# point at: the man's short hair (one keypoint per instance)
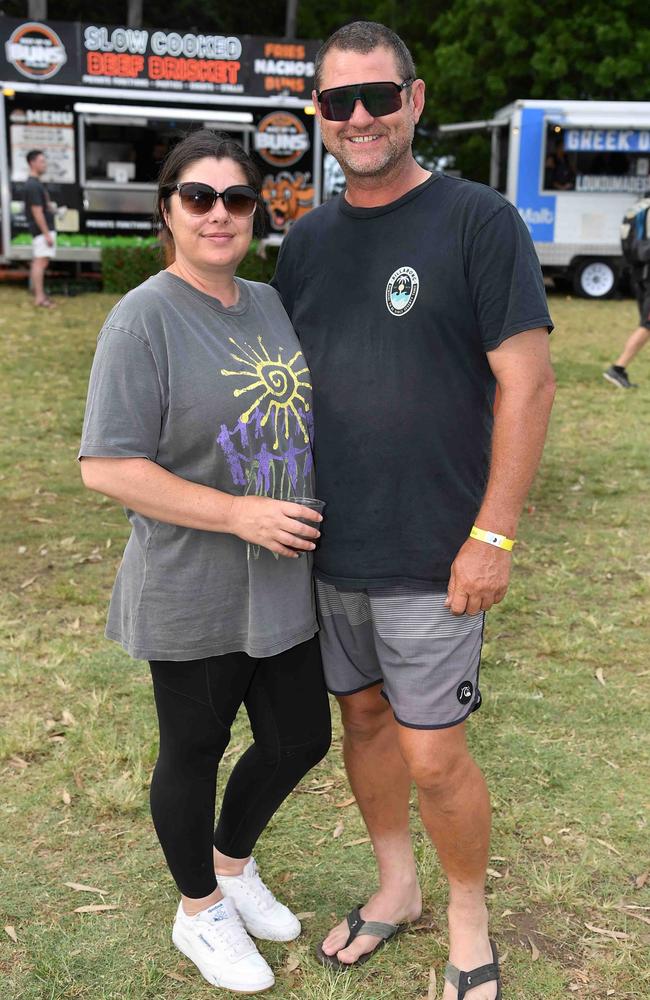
(363, 37)
(33, 154)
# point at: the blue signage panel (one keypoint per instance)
(536, 209)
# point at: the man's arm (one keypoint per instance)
(39, 218)
(521, 365)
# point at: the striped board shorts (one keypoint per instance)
(426, 659)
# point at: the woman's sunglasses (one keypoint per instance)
(239, 200)
(379, 99)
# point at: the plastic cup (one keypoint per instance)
(313, 504)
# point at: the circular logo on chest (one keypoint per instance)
(402, 290)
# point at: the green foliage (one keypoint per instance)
(487, 53)
(89, 240)
(124, 267)
(480, 55)
(244, 17)
(256, 268)
(318, 18)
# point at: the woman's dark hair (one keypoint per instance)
(197, 146)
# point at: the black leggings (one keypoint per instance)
(197, 702)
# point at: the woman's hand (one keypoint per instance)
(153, 491)
(272, 524)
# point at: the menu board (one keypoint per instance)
(50, 131)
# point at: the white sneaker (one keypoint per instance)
(264, 917)
(217, 942)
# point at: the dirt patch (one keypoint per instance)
(428, 923)
(525, 932)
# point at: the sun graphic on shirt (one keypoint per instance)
(278, 387)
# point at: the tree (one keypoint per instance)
(480, 55)
(246, 17)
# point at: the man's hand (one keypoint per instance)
(272, 524)
(48, 239)
(479, 577)
(480, 572)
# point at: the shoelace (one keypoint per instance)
(257, 890)
(229, 934)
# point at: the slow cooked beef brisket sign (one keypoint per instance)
(162, 60)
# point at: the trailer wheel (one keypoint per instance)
(594, 279)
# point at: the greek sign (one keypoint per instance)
(612, 140)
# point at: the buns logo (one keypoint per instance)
(281, 139)
(36, 51)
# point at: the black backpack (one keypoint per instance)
(635, 233)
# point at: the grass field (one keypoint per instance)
(562, 735)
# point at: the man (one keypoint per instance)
(562, 177)
(636, 250)
(407, 291)
(40, 217)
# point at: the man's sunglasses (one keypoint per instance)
(379, 99)
(239, 200)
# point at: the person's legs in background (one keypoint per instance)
(37, 271)
(617, 373)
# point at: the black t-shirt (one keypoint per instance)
(395, 308)
(36, 194)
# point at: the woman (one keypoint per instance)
(198, 421)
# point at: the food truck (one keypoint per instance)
(106, 103)
(572, 168)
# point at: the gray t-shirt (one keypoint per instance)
(222, 397)
(36, 195)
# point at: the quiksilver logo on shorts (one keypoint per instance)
(465, 692)
(402, 290)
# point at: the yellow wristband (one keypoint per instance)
(492, 538)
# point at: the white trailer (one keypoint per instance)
(572, 168)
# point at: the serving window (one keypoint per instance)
(592, 160)
(126, 153)
(128, 150)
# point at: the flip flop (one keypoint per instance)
(358, 925)
(464, 981)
